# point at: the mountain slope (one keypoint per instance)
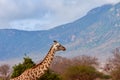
(95, 34)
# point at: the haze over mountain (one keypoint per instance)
(96, 34)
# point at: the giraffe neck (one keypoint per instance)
(41, 68)
(49, 57)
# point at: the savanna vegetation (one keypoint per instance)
(4, 72)
(113, 65)
(78, 68)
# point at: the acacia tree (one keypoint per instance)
(5, 71)
(81, 72)
(85, 60)
(60, 64)
(21, 67)
(82, 68)
(113, 65)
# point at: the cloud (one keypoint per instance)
(44, 14)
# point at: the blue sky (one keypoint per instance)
(44, 14)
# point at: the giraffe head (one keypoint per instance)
(58, 47)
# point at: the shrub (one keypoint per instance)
(81, 72)
(50, 75)
(115, 74)
(21, 67)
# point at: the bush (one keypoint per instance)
(81, 72)
(49, 75)
(114, 64)
(21, 67)
(115, 74)
(4, 72)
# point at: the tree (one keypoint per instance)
(81, 72)
(21, 67)
(115, 74)
(85, 60)
(115, 60)
(60, 64)
(5, 71)
(113, 65)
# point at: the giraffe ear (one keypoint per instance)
(55, 41)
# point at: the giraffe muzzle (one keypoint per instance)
(64, 49)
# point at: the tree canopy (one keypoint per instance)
(80, 72)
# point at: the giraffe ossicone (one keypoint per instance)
(38, 70)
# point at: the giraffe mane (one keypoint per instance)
(42, 61)
(36, 65)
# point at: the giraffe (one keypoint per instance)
(38, 70)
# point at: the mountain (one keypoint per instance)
(96, 34)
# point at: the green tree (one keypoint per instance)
(21, 67)
(81, 72)
(50, 75)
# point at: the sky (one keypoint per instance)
(44, 14)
